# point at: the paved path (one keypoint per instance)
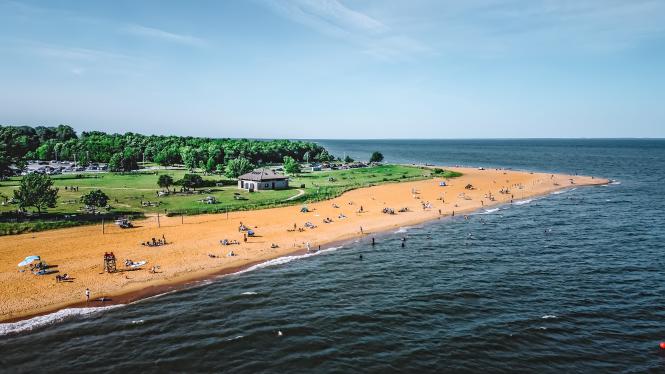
(300, 193)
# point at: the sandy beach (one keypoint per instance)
(191, 242)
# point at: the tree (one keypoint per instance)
(191, 181)
(210, 165)
(324, 156)
(64, 133)
(95, 198)
(5, 164)
(238, 167)
(291, 166)
(348, 159)
(376, 157)
(115, 163)
(36, 190)
(188, 159)
(165, 181)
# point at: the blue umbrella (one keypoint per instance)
(28, 260)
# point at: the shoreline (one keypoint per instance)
(187, 278)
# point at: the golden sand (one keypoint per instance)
(79, 251)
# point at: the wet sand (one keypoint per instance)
(79, 251)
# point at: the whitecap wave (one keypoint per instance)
(549, 316)
(522, 202)
(249, 293)
(615, 182)
(158, 295)
(49, 319)
(559, 192)
(138, 322)
(401, 230)
(284, 260)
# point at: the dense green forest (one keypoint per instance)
(123, 152)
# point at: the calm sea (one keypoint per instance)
(571, 282)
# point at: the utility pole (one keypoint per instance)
(158, 224)
(102, 226)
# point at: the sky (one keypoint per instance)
(332, 69)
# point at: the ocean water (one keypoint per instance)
(570, 282)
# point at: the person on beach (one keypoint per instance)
(87, 295)
(361, 230)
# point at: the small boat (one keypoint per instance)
(136, 264)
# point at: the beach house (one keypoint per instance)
(263, 179)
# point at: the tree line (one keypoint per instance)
(123, 152)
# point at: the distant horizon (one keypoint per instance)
(79, 131)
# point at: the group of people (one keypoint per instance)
(229, 242)
(72, 188)
(155, 242)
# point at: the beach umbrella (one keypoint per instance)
(28, 260)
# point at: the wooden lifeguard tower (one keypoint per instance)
(109, 262)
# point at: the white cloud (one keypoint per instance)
(154, 33)
(333, 18)
(73, 53)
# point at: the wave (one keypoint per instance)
(156, 296)
(522, 202)
(549, 316)
(49, 319)
(249, 293)
(563, 191)
(284, 260)
(402, 230)
(615, 182)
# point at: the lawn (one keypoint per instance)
(129, 192)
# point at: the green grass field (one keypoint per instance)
(128, 191)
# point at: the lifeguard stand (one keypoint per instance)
(109, 262)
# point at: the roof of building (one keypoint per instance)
(260, 175)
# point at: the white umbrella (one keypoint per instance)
(28, 260)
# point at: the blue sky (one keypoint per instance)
(337, 68)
